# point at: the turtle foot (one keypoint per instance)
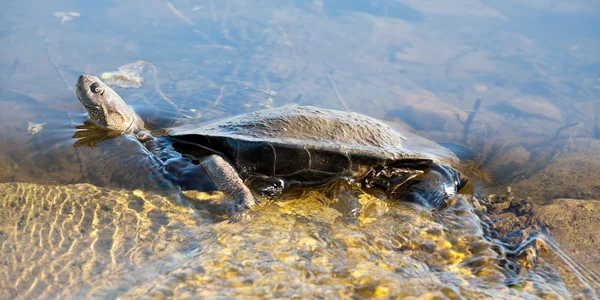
(240, 217)
(237, 213)
(266, 186)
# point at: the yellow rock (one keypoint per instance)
(444, 244)
(381, 291)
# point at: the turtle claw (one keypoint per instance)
(237, 213)
(239, 217)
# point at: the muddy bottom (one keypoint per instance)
(84, 241)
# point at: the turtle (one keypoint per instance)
(271, 150)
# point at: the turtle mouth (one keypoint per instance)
(84, 100)
(90, 105)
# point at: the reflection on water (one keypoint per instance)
(514, 84)
(84, 241)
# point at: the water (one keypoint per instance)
(84, 241)
(513, 84)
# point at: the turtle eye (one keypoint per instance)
(96, 88)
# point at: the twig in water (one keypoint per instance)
(219, 97)
(224, 47)
(596, 133)
(563, 128)
(179, 14)
(60, 73)
(157, 87)
(204, 35)
(337, 92)
(62, 76)
(287, 41)
(470, 120)
(266, 83)
(213, 14)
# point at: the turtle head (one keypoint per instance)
(105, 107)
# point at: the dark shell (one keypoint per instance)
(308, 143)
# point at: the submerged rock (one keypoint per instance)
(530, 107)
(563, 169)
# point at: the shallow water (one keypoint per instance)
(84, 241)
(514, 85)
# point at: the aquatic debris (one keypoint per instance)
(480, 88)
(126, 76)
(64, 16)
(34, 128)
(268, 103)
(195, 114)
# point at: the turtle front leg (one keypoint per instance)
(227, 180)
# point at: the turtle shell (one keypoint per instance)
(306, 144)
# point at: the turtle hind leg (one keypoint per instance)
(227, 180)
(266, 186)
(433, 187)
(423, 182)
